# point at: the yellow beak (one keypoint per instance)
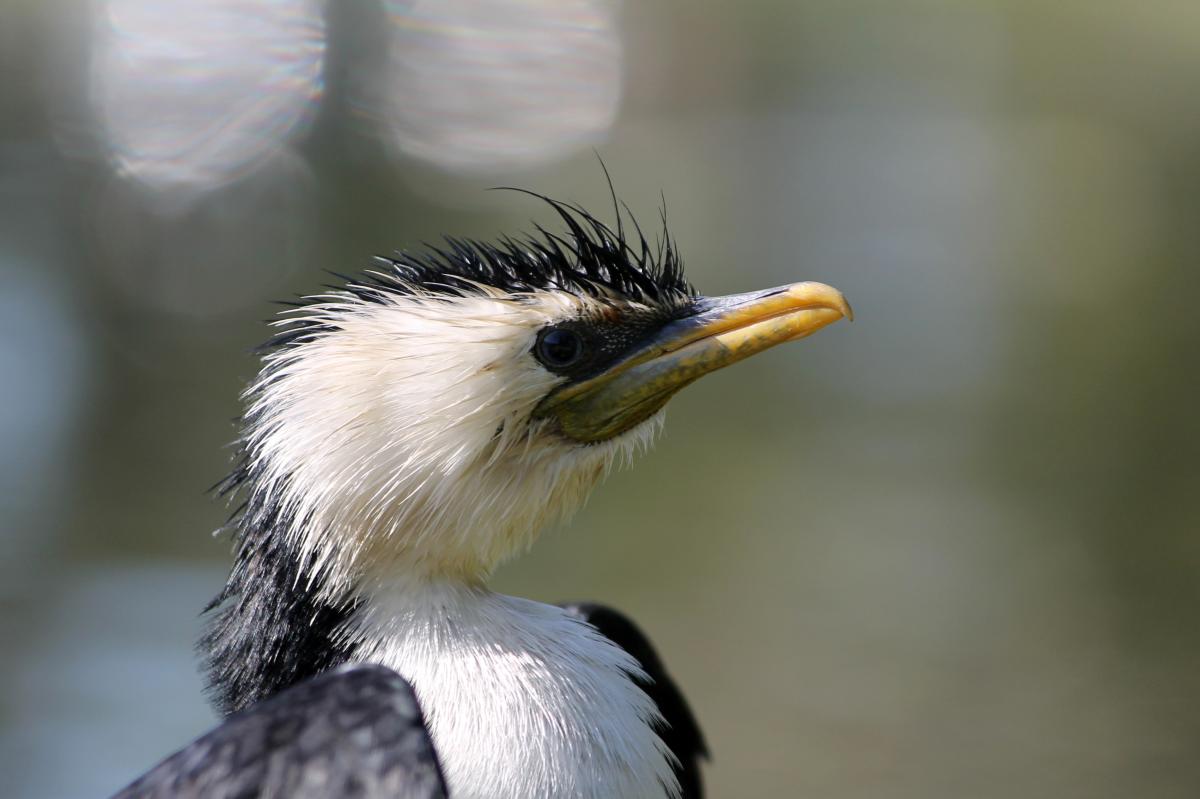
(719, 331)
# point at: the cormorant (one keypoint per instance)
(410, 430)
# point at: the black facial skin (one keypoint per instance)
(579, 348)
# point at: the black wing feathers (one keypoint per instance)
(353, 733)
(681, 733)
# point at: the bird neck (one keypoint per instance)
(415, 598)
(486, 667)
(523, 699)
(415, 614)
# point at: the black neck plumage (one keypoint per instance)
(271, 626)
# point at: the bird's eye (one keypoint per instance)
(559, 347)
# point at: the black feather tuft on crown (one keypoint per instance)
(590, 258)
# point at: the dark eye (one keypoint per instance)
(559, 347)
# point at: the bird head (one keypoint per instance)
(433, 415)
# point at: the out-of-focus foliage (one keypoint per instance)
(950, 550)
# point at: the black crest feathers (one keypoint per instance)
(590, 257)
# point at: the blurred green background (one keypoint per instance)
(949, 550)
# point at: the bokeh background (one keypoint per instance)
(949, 550)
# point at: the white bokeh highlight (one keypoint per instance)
(191, 94)
(486, 85)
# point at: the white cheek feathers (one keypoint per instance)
(399, 436)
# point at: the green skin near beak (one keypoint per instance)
(720, 331)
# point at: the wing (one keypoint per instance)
(680, 733)
(352, 733)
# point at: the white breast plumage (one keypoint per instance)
(523, 700)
